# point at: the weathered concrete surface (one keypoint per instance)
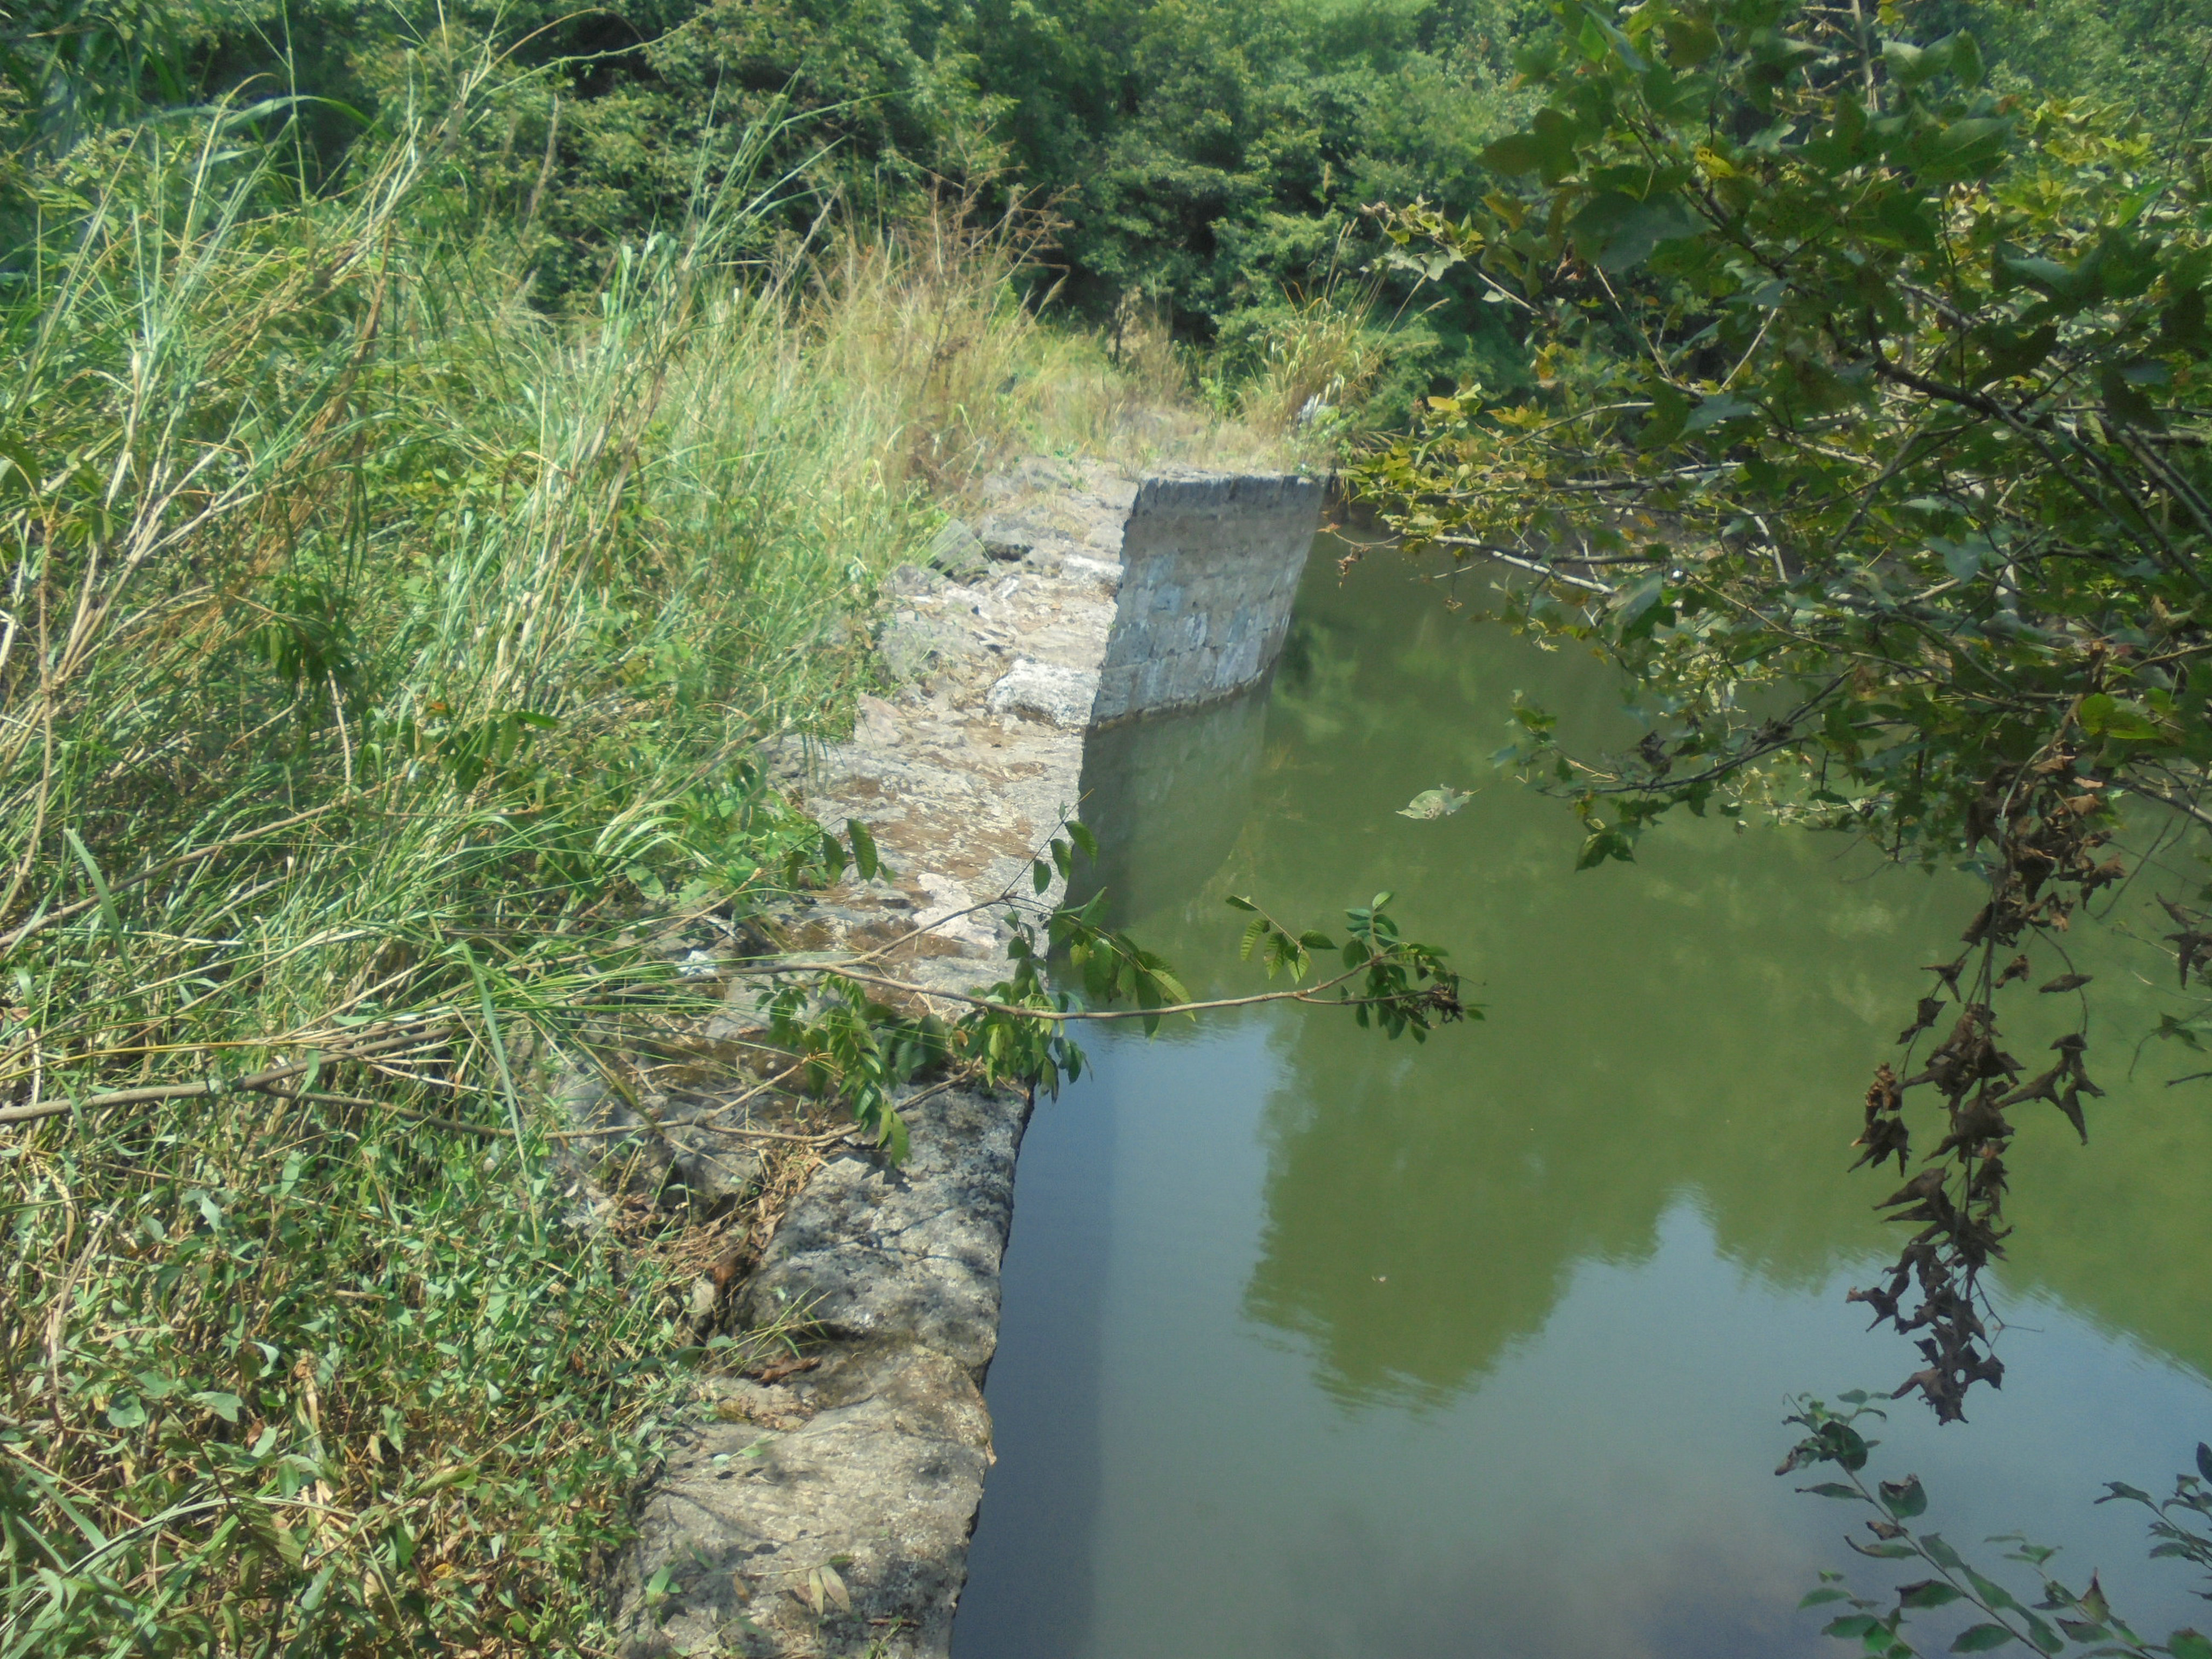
(872, 1465)
(830, 1514)
(1209, 567)
(908, 1255)
(837, 1525)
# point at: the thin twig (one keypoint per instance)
(616, 1130)
(1310, 993)
(253, 1083)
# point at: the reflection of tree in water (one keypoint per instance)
(1698, 1025)
(1424, 1207)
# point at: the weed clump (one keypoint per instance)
(381, 657)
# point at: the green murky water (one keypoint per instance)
(1319, 1346)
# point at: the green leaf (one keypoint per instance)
(1831, 1489)
(1517, 153)
(2124, 396)
(1964, 150)
(1629, 602)
(2103, 715)
(1235, 903)
(1439, 802)
(1603, 844)
(1670, 412)
(2014, 351)
(1993, 1593)
(2094, 1602)
(1908, 64)
(1966, 59)
(1717, 410)
(1617, 232)
(2188, 1644)
(1904, 1499)
(316, 1590)
(19, 470)
(1254, 931)
(224, 1406)
(1594, 39)
(1851, 1623)
(1962, 559)
(1980, 1638)
(1929, 1593)
(1690, 40)
(1537, 60)
(108, 915)
(2067, 286)
(1546, 149)
(2182, 325)
(864, 858)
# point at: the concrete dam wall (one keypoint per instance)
(1082, 600)
(1209, 568)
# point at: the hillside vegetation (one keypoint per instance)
(1210, 159)
(381, 652)
(437, 445)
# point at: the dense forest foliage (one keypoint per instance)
(1209, 162)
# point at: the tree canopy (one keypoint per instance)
(1871, 432)
(1208, 160)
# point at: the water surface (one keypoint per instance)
(1317, 1345)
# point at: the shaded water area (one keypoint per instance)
(1315, 1344)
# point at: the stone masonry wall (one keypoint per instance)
(1209, 564)
(1083, 597)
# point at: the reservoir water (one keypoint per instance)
(1318, 1346)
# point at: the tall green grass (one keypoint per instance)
(379, 655)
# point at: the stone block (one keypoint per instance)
(1046, 692)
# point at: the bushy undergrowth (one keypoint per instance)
(376, 651)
